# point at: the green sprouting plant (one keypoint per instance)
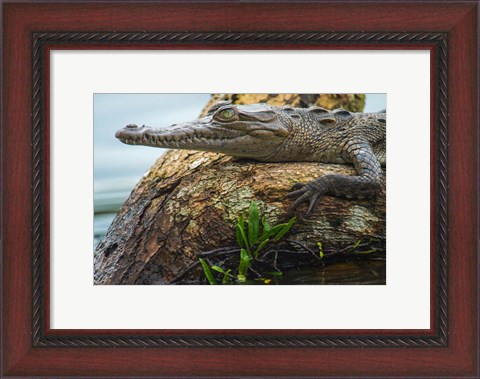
(348, 250)
(257, 235)
(320, 250)
(208, 273)
(226, 274)
(252, 236)
(357, 244)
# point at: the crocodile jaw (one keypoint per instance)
(176, 137)
(203, 137)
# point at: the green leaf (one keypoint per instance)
(253, 223)
(240, 233)
(241, 278)
(356, 245)
(244, 262)
(226, 277)
(216, 268)
(273, 230)
(266, 225)
(241, 236)
(320, 249)
(208, 272)
(260, 247)
(284, 230)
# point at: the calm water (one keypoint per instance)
(353, 272)
(118, 167)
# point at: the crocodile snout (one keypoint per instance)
(130, 131)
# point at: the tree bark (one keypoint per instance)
(189, 203)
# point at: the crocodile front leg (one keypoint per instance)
(366, 185)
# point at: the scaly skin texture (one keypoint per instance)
(273, 134)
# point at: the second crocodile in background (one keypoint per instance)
(281, 134)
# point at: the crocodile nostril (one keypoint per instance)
(132, 126)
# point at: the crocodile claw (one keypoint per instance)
(297, 186)
(305, 192)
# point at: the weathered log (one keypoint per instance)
(189, 203)
(351, 102)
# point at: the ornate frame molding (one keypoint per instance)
(208, 39)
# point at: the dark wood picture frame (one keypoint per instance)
(447, 29)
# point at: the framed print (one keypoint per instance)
(281, 118)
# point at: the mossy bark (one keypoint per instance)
(350, 102)
(189, 202)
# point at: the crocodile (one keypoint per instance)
(280, 134)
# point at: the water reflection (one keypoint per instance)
(353, 272)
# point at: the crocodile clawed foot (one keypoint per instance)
(308, 192)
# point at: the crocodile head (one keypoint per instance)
(247, 131)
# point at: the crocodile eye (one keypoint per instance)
(227, 114)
